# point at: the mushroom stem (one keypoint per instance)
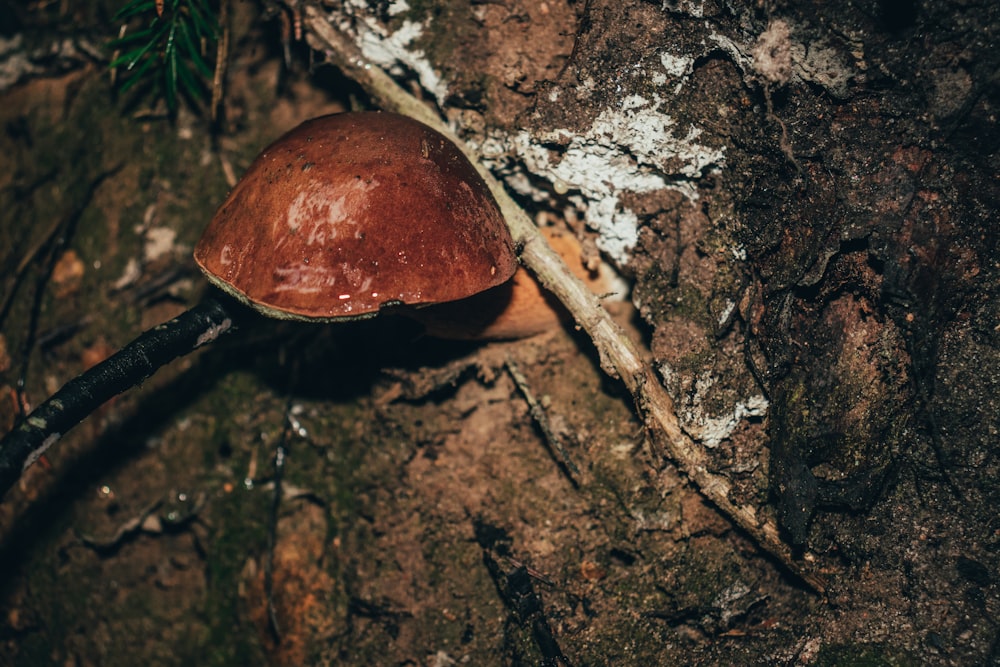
(619, 356)
(128, 367)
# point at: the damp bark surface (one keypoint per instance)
(801, 203)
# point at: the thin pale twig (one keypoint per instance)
(619, 356)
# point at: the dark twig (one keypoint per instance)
(538, 413)
(84, 394)
(518, 592)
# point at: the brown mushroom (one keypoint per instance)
(338, 218)
(350, 212)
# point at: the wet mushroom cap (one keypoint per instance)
(351, 212)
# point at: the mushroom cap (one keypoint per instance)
(351, 212)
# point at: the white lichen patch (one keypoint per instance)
(397, 7)
(394, 51)
(712, 430)
(634, 147)
(694, 8)
(772, 54)
(727, 311)
(677, 69)
(777, 58)
(707, 427)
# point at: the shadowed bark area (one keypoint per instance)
(801, 198)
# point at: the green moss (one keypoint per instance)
(242, 533)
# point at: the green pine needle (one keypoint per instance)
(164, 52)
